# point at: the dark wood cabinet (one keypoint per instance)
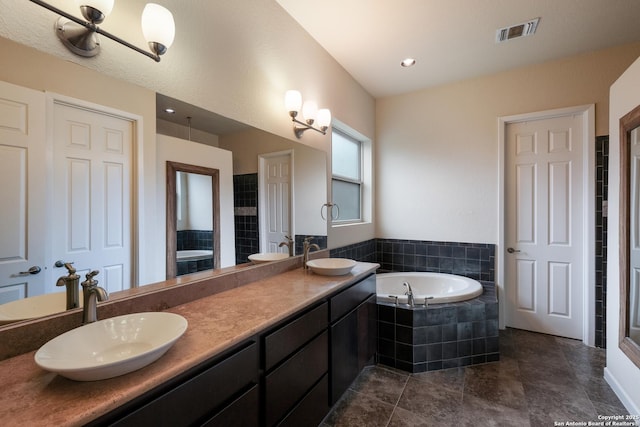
(288, 375)
(224, 385)
(295, 363)
(353, 336)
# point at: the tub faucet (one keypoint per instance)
(288, 242)
(409, 294)
(306, 248)
(92, 293)
(72, 283)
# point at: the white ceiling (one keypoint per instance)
(455, 39)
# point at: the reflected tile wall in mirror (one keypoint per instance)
(245, 203)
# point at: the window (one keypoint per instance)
(346, 179)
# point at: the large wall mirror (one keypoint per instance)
(252, 151)
(629, 338)
(247, 144)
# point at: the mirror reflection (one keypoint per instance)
(193, 219)
(243, 235)
(629, 336)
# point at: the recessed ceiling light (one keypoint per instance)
(169, 110)
(408, 62)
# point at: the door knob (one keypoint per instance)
(33, 270)
(511, 250)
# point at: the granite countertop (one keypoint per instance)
(32, 396)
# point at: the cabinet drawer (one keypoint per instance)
(201, 395)
(350, 298)
(289, 338)
(312, 409)
(288, 383)
(242, 412)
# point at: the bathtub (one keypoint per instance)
(442, 287)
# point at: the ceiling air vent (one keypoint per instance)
(516, 31)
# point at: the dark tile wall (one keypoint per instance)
(186, 267)
(474, 260)
(441, 336)
(245, 203)
(364, 251)
(602, 183)
(299, 239)
(194, 239)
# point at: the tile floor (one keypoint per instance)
(538, 380)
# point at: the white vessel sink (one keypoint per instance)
(111, 347)
(268, 257)
(32, 307)
(331, 266)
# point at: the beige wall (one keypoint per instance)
(440, 145)
(620, 372)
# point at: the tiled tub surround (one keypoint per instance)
(443, 335)
(474, 260)
(216, 323)
(440, 336)
(194, 239)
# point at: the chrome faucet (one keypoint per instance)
(306, 248)
(409, 294)
(72, 283)
(288, 242)
(92, 293)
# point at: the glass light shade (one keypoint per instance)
(309, 110)
(104, 6)
(324, 118)
(158, 25)
(292, 100)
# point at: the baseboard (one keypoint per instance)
(622, 395)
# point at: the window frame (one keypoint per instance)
(360, 181)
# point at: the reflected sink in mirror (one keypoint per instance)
(267, 257)
(331, 266)
(30, 308)
(111, 347)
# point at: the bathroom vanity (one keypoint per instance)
(278, 351)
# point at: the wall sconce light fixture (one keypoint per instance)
(310, 114)
(80, 37)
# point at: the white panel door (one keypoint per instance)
(634, 244)
(22, 191)
(92, 193)
(544, 196)
(276, 173)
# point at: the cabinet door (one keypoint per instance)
(367, 332)
(353, 346)
(344, 354)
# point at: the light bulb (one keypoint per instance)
(324, 118)
(309, 111)
(292, 101)
(158, 25)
